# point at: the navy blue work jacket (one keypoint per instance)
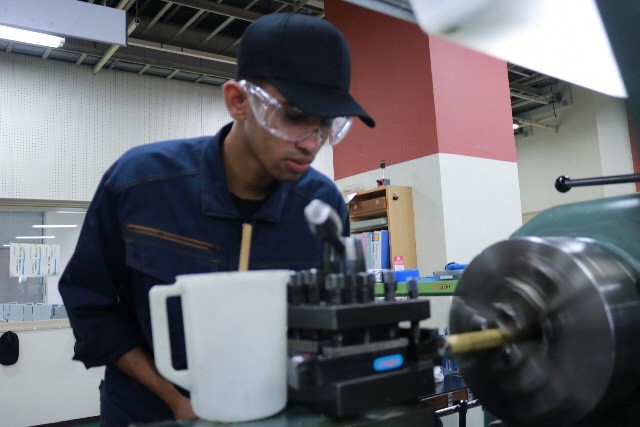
(162, 210)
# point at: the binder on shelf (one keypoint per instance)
(375, 247)
(376, 250)
(366, 223)
(385, 251)
(369, 246)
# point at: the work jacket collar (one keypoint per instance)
(216, 198)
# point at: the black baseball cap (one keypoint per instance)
(306, 58)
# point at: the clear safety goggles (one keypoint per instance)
(291, 124)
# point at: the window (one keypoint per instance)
(59, 227)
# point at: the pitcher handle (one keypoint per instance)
(160, 332)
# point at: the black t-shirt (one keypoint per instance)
(246, 208)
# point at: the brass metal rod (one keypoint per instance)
(473, 341)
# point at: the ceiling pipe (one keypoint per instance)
(190, 22)
(224, 25)
(182, 51)
(525, 88)
(144, 69)
(112, 49)
(79, 50)
(47, 52)
(520, 73)
(158, 16)
(173, 73)
(81, 58)
(538, 99)
(522, 121)
(219, 9)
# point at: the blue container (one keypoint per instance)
(403, 275)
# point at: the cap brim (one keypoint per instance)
(321, 101)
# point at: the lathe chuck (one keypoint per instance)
(576, 303)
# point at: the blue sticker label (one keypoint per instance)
(386, 363)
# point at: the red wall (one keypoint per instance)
(391, 79)
(426, 95)
(473, 104)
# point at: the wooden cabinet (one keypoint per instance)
(390, 208)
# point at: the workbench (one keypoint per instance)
(452, 395)
(426, 288)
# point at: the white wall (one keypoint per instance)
(62, 126)
(613, 136)
(481, 204)
(45, 385)
(593, 140)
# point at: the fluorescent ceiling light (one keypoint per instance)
(515, 126)
(6, 246)
(68, 18)
(55, 226)
(31, 37)
(35, 237)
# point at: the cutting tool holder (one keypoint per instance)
(348, 352)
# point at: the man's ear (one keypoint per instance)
(235, 99)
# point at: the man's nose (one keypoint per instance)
(311, 143)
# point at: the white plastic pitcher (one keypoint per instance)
(235, 326)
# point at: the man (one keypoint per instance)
(178, 207)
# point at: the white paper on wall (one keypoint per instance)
(33, 260)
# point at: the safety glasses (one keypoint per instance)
(291, 124)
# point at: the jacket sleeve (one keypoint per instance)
(343, 211)
(90, 285)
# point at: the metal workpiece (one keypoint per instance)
(567, 311)
(467, 342)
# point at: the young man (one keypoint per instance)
(178, 207)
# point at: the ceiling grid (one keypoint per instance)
(197, 41)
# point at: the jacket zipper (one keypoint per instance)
(176, 238)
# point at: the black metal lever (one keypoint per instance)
(564, 183)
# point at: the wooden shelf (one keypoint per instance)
(395, 203)
(34, 325)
